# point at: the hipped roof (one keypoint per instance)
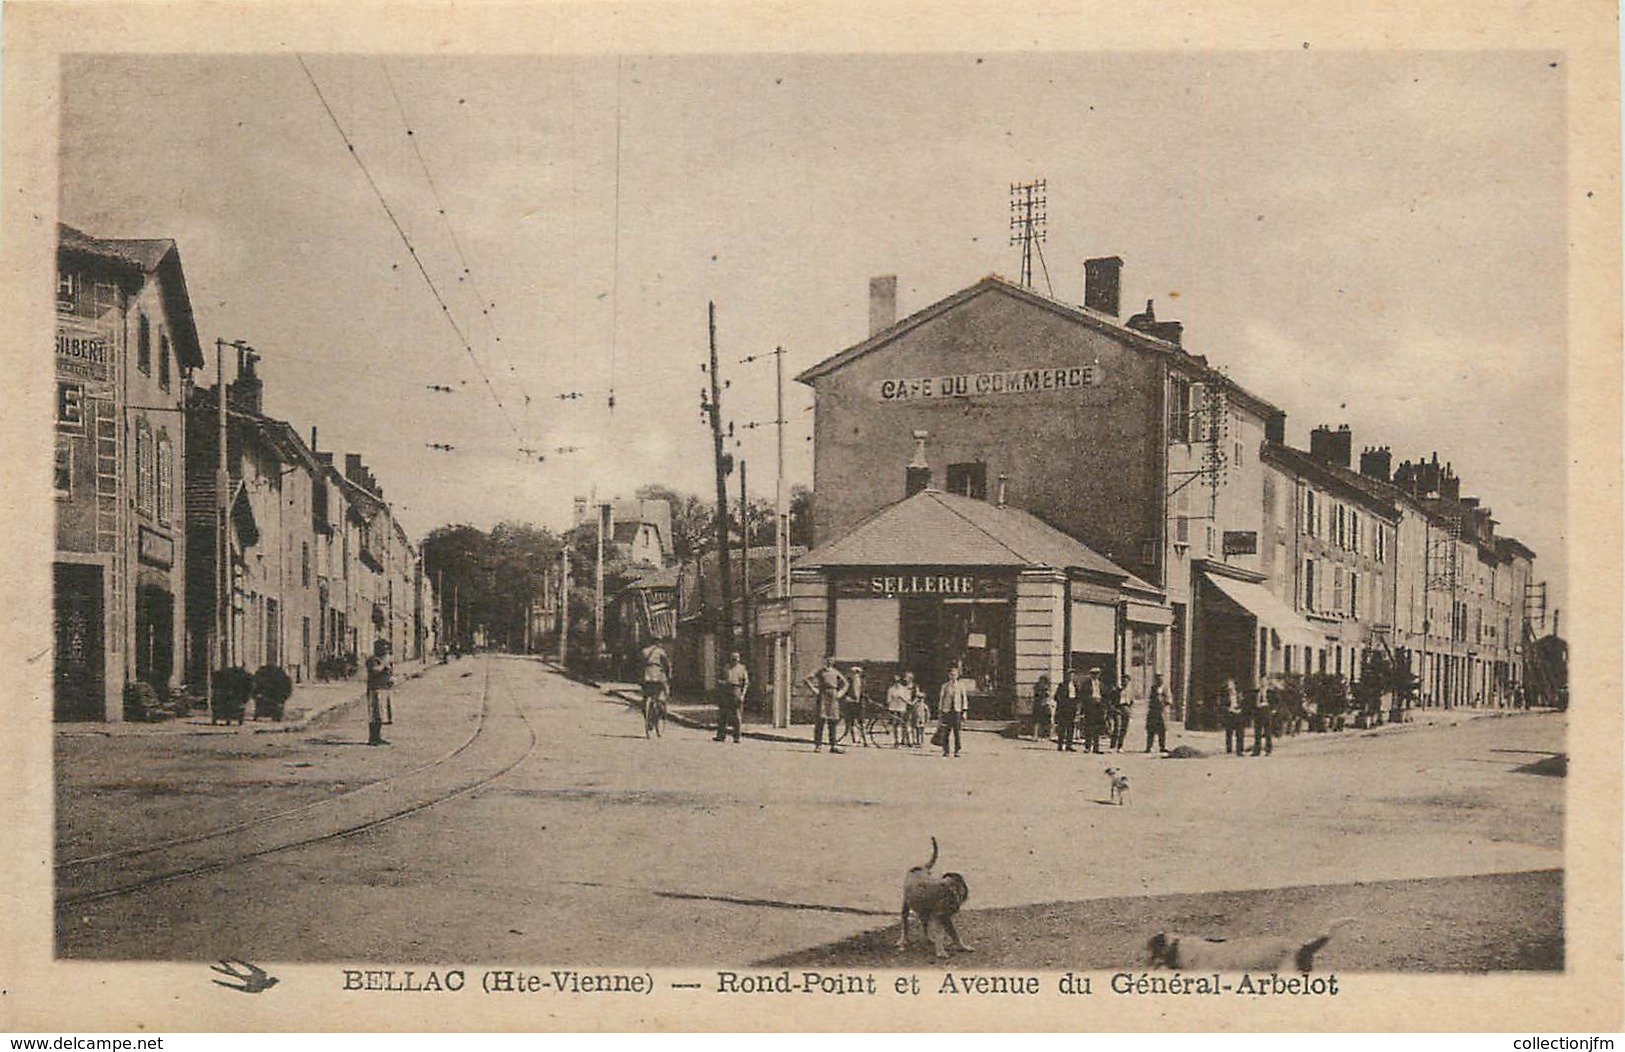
(933, 528)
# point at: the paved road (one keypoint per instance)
(596, 846)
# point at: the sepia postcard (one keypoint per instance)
(811, 516)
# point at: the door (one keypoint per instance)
(154, 635)
(921, 647)
(79, 688)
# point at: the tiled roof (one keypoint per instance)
(145, 254)
(933, 528)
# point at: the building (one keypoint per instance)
(1332, 552)
(1108, 430)
(126, 347)
(640, 530)
(939, 579)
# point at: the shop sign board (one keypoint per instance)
(950, 583)
(154, 548)
(1241, 542)
(1020, 381)
(83, 354)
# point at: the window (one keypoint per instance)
(1340, 537)
(304, 562)
(1354, 595)
(64, 466)
(1337, 589)
(1182, 529)
(1354, 530)
(968, 480)
(1310, 512)
(1179, 410)
(163, 361)
(1379, 541)
(166, 480)
(143, 346)
(1309, 584)
(1211, 540)
(145, 476)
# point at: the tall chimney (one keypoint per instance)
(918, 476)
(313, 438)
(882, 302)
(1332, 447)
(1376, 462)
(1103, 283)
(353, 469)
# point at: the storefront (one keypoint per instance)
(938, 580)
(1246, 634)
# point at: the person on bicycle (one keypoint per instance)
(656, 684)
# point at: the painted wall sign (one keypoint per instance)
(83, 355)
(154, 548)
(1240, 542)
(948, 584)
(1006, 382)
(70, 406)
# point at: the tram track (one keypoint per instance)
(132, 870)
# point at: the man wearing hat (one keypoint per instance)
(380, 678)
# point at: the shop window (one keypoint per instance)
(968, 480)
(143, 346)
(866, 629)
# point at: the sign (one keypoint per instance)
(70, 406)
(154, 548)
(83, 355)
(1241, 542)
(773, 616)
(965, 385)
(946, 584)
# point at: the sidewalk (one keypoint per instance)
(306, 706)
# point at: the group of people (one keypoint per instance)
(841, 714)
(1098, 710)
(1239, 713)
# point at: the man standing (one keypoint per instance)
(735, 685)
(380, 678)
(953, 703)
(1263, 722)
(852, 706)
(1093, 708)
(1156, 707)
(1066, 711)
(1235, 721)
(1121, 710)
(827, 685)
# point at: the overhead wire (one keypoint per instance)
(486, 305)
(411, 250)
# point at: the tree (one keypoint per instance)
(492, 578)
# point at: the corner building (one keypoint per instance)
(1108, 430)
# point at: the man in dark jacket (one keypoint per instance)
(1066, 711)
(1092, 706)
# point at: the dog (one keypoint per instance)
(931, 897)
(1119, 785)
(1262, 953)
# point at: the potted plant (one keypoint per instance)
(271, 690)
(229, 694)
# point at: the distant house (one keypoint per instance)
(640, 530)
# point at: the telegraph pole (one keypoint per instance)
(781, 561)
(598, 590)
(744, 562)
(564, 604)
(714, 408)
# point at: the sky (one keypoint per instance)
(1375, 239)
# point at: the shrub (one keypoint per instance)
(231, 690)
(272, 688)
(141, 702)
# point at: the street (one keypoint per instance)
(521, 817)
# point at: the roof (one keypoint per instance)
(933, 528)
(1093, 319)
(655, 512)
(1378, 495)
(145, 256)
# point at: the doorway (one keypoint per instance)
(154, 635)
(79, 688)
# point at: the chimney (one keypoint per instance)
(580, 510)
(1449, 485)
(1376, 462)
(882, 302)
(1171, 331)
(1102, 284)
(353, 469)
(918, 476)
(313, 438)
(1275, 428)
(1332, 447)
(246, 393)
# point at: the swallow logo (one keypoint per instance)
(251, 979)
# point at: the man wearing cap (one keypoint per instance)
(731, 702)
(827, 685)
(380, 678)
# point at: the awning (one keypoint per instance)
(1270, 611)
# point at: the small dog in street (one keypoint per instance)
(1119, 785)
(1263, 953)
(931, 897)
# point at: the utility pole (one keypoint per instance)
(564, 604)
(598, 590)
(440, 608)
(744, 564)
(781, 561)
(714, 408)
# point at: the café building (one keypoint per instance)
(938, 578)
